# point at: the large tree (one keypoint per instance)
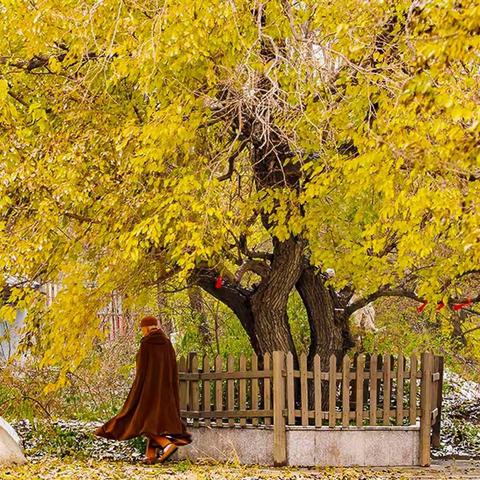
(244, 147)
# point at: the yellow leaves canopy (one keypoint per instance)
(119, 119)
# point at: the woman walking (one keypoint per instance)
(152, 407)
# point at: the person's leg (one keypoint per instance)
(168, 447)
(151, 451)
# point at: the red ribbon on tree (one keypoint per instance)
(421, 308)
(219, 282)
(459, 306)
(456, 307)
(440, 305)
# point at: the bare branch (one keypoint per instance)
(80, 218)
(42, 61)
(471, 330)
(231, 161)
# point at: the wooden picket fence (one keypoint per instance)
(360, 391)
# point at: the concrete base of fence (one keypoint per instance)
(307, 446)
(245, 445)
(368, 446)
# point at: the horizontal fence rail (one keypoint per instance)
(280, 390)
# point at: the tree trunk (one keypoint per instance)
(269, 301)
(262, 310)
(329, 328)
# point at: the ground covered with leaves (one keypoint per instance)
(53, 468)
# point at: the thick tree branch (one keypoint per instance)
(232, 295)
(399, 292)
(384, 292)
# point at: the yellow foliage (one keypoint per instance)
(111, 148)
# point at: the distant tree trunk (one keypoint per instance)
(197, 305)
(165, 320)
(457, 332)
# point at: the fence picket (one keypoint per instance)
(438, 403)
(332, 391)
(218, 390)
(206, 390)
(413, 390)
(345, 391)
(303, 389)
(190, 357)
(194, 390)
(243, 389)
(182, 363)
(359, 390)
(400, 375)
(254, 388)
(317, 386)
(373, 389)
(290, 390)
(279, 432)
(267, 396)
(387, 374)
(230, 390)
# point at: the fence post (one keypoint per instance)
(279, 432)
(439, 384)
(426, 408)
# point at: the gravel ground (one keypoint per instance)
(72, 438)
(460, 435)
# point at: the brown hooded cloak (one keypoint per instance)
(152, 406)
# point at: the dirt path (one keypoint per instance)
(69, 469)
